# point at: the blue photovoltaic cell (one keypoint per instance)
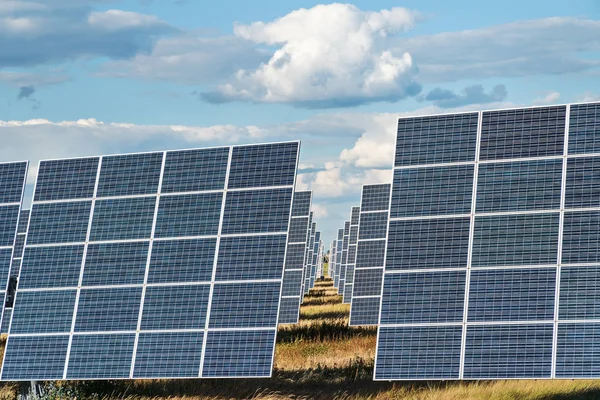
(508, 351)
(238, 353)
(505, 240)
(373, 225)
(19, 246)
(431, 297)
(289, 309)
(35, 357)
(512, 294)
(418, 352)
(23, 221)
(108, 309)
(59, 222)
(263, 165)
(122, 219)
(431, 243)
(5, 261)
(175, 307)
(301, 204)
(355, 216)
(294, 258)
(578, 351)
(581, 237)
(370, 254)
(12, 180)
(66, 179)
(187, 260)
(101, 356)
(55, 266)
(195, 170)
(365, 310)
(436, 139)
(250, 258)
(6, 320)
(115, 263)
(579, 293)
(298, 230)
(168, 354)
(367, 282)
(584, 128)
(130, 174)
(244, 305)
(519, 186)
(43, 312)
(292, 283)
(375, 198)
(521, 133)
(583, 183)
(257, 211)
(188, 215)
(431, 191)
(9, 216)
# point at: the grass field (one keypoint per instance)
(320, 358)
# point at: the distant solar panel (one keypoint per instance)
(154, 265)
(307, 256)
(311, 258)
(493, 245)
(315, 260)
(332, 254)
(338, 258)
(297, 247)
(351, 260)
(344, 257)
(13, 177)
(368, 272)
(15, 267)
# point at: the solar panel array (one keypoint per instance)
(154, 265)
(368, 272)
(310, 257)
(295, 261)
(338, 258)
(344, 257)
(315, 259)
(351, 258)
(493, 252)
(15, 267)
(13, 177)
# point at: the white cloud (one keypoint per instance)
(589, 97)
(328, 56)
(20, 79)
(319, 211)
(549, 98)
(113, 20)
(556, 45)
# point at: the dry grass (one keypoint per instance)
(319, 358)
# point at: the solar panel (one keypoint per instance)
(315, 260)
(371, 240)
(307, 256)
(351, 258)
(13, 177)
(311, 258)
(338, 258)
(289, 311)
(121, 279)
(332, 255)
(344, 257)
(15, 266)
(492, 247)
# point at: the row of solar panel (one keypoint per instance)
(161, 264)
(504, 134)
(515, 245)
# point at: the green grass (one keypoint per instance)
(319, 358)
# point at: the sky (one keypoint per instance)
(91, 77)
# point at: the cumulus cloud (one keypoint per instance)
(319, 211)
(474, 94)
(556, 45)
(41, 32)
(327, 56)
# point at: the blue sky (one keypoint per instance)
(83, 77)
